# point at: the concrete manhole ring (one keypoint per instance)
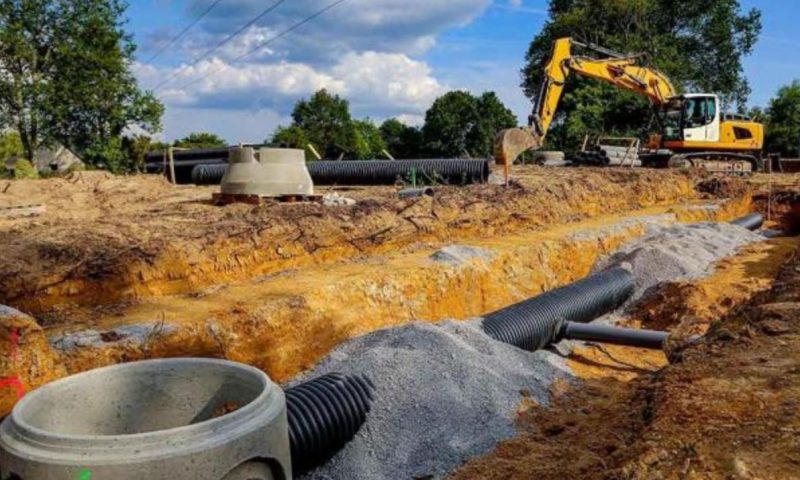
(168, 419)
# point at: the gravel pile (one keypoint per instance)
(444, 393)
(678, 252)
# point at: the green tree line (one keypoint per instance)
(458, 124)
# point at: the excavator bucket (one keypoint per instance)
(512, 142)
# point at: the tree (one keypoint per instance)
(201, 140)
(783, 122)
(450, 124)
(493, 116)
(66, 77)
(699, 45)
(293, 137)
(327, 124)
(460, 124)
(369, 142)
(10, 145)
(402, 141)
(136, 147)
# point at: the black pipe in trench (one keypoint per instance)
(564, 313)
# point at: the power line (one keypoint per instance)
(183, 32)
(224, 41)
(268, 41)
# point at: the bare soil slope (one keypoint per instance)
(105, 239)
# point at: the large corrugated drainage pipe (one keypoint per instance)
(753, 221)
(375, 172)
(388, 172)
(534, 323)
(324, 414)
(209, 174)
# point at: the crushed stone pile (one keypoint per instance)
(444, 393)
(678, 252)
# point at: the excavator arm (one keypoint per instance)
(623, 71)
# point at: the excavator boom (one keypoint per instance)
(623, 71)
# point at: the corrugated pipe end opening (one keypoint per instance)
(324, 414)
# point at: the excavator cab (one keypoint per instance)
(694, 117)
(696, 133)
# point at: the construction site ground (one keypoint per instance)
(117, 269)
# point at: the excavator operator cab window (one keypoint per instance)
(672, 123)
(699, 111)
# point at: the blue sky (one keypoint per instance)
(389, 57)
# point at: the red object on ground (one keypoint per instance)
(14, 344)
(13, 382)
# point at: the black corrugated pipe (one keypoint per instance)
(208, 174)
(183, 168)
(388, 172)
(633, 337)
(324, 414)
(195, 153)
(535, 323)
(753, 221)
(375, 172)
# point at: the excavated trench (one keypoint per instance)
(283, 294)
(285, 323)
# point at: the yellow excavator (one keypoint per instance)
(695, 133)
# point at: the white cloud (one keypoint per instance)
(235, 126)
(364, 50)
(396, 26)
(411, 120)
(379, 85)
(387, 80)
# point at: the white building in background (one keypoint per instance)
(57, 158)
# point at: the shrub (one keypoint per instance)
(24, 169)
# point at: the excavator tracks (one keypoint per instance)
(717, 162)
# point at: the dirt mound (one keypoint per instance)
(27, 361)
(108, 239)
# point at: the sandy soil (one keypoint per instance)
(108, 239)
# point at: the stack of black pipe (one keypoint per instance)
(389, 172)
(324, 414)
(607, 155)
(375, 172)
(186, 160)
